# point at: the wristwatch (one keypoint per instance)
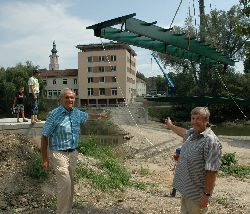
(206, 194)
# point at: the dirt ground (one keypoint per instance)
(149, 159)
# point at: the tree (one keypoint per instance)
(221, 33)
(11, 79)
(245, 31)
(140, 76)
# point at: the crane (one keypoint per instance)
(171, 87)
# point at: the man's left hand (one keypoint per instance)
(203, 202)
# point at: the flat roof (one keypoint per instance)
(107, 46)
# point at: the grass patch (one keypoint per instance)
(230, 167)
(34, 168)
(222, 201)
(144, 171)
(111, 173)
(89, 147)
(138, 185)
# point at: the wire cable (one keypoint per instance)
(175, 13)
(127, 106)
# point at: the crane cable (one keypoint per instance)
(176, 13)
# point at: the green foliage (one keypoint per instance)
(140, 75)
(89, 147)
(179, 113)
(10, 80)
(221, 32)
(34, 168)
(230, 166)
(228, 159)
(51, 201)
(222, 200)
(138, 185)
(144, 171)
(110, 174)
(161, 84)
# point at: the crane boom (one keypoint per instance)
(171, 87)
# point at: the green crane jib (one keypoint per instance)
(148, 35)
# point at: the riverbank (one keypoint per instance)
(148, 158)
(151, 146)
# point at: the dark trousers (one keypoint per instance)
(34, 104)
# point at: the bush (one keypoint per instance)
(228, 159)
(230, 166)
(34, 168)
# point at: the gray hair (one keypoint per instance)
(63, 91)
(202, 111)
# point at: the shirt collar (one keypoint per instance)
(63, 110)
(204, 133)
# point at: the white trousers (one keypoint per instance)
(64, 164)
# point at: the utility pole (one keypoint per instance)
(202, 19)
(203, 68)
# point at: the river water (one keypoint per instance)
(107, 135)
(232, 131)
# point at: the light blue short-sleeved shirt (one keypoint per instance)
(62, 127)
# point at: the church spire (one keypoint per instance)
(54, 51)
(53, 58)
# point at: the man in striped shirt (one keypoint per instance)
(198, 163)
(61, 134)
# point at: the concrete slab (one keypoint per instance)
(26, 128)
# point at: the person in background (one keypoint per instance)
(198, 163)
(34, 93)
(18, 104)
(60, 135)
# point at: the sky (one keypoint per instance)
(29, 27)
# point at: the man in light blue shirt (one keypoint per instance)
(60, 134)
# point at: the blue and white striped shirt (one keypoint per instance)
(198, 154)
(62, 127)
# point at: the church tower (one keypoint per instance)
(53, 58)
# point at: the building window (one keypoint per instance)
(113, 91)
(113, 68)
(101, 58)
(90, 79)
(113, 79)
(101, 69)
(45, 82)
(113, 58)
(45, 93)
(101, 79)
(90, 91)
(50, 93)
(101, 91)
(54, 81)
(90, 69)
(75, 81)
(76, 92)
(55, 93)
(90, 59)
(65, 81)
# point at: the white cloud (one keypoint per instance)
(28, 30)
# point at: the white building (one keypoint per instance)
(140, 87)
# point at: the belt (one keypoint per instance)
(67, 150)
